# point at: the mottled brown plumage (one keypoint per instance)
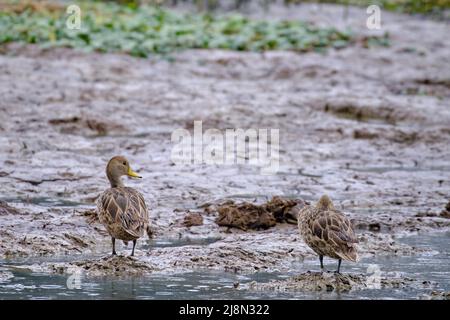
(122, 210)
(328, 231)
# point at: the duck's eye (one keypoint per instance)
(124, 163)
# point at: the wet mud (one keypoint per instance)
(331, 281)
(438, 295)
(367, 126)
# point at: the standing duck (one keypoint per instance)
(122, 210)
(328, 232)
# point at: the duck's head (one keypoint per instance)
(117, 167)
(325, 203)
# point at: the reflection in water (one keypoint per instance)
(44, 201)
(205, 284)
(162, 243)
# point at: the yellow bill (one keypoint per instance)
(133, 174)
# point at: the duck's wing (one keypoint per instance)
(336, 231)
(107, 207)
(124, 206)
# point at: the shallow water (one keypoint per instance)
(203, 284)
(43, 201)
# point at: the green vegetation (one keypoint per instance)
(405, 6)
(144, 30)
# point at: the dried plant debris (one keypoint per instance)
(90, 215)
(284, 210)
(76, 125)
(331, 281)
(5, 209)
(446, 213)
(245, 216)
(252, 216)
(430, 213)
(193, 219)
(381, 112)
(439, 295)
(33, 6)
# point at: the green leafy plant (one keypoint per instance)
(144, 30)
(404, 6)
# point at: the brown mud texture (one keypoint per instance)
(367, 126)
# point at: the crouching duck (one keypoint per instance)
(328, 232)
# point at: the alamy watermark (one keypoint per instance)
(257, 147)
(374, 278)
(74, 280)
(73, 21)
(373, 281)
(373, 22)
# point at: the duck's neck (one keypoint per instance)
(115, 180)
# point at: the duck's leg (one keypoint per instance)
(114, 246)
(339, 266)
(321, 262)
(134, 245)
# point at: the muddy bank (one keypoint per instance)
(437, 295)
(330, 281)
(369, 127)
(79, 232)
(254, 254)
